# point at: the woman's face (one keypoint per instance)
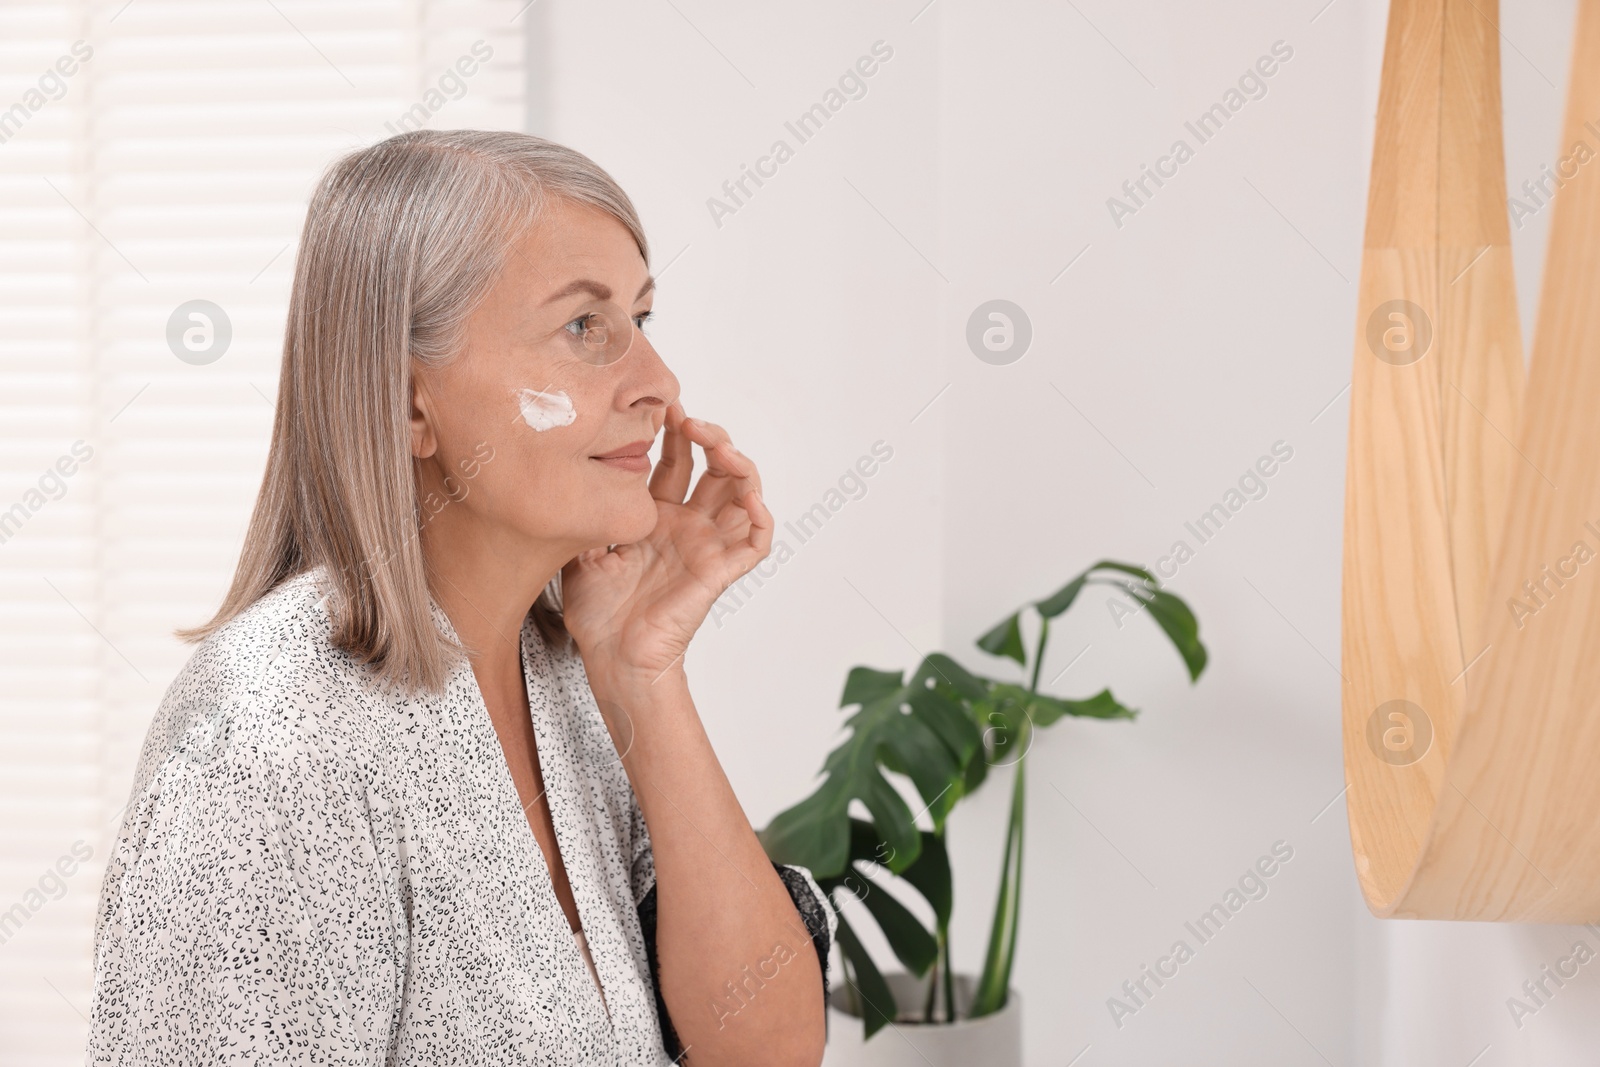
(507, 434)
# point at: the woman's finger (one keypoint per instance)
(705, 433)
(716, 491)
(747, 466)
(747, 514)
(728, 476)
(716, 443)
(733, 523)
(761, 528)
(670, 480)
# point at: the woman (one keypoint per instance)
(432, 789)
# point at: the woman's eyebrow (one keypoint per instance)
(596, 289)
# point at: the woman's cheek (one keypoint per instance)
(546, 409)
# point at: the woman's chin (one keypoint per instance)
(635, 525)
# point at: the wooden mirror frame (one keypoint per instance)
(1471, 585)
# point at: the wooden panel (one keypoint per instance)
(1472, 564)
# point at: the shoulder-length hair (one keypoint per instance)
(402, 241)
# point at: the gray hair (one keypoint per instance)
(402, 241)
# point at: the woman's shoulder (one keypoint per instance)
(269, 682)
(261, 840)
(238, 653)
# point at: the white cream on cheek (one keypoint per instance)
(546, 411)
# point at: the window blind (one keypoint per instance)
(155, 161)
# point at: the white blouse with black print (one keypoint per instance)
(312, 871)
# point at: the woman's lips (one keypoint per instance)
(630, 457)
(639, 463)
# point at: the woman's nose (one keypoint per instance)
(650, 377)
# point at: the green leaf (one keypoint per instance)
(1003, 718)
(814, 834)
(1005, 639)
(1176, 620)
(1008, 694)
(903, 741)
(1182, 628)
(929, 875)
(941, 668)
(864, 685)
(867, 845)
(878, 1008)
(922, 733)
(1126, 568)
(892, 816)
(1045, 709)
(1062, 598)
(910, 941)
(977, 771)
(948, 720)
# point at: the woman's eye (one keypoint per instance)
(580, 326)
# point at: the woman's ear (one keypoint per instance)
(424, 442)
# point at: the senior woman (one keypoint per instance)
(432, 788)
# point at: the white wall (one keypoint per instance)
(1215, 321)
(1189, 340)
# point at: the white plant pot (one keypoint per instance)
(993, 1040)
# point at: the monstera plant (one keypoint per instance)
(944, 728)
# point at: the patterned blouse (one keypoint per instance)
(312, 871)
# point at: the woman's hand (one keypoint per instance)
(632, 610)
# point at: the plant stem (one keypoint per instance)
(1019, 802)
(941, 961)
(949, 979)
(995, 983)
(1038, 654)
(992, 984)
